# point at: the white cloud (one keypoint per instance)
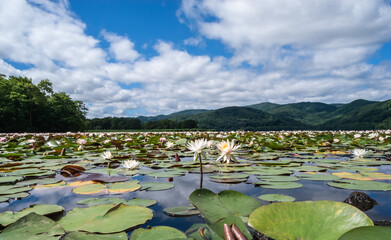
(305, 56)
(121, 48)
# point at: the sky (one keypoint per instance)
(150, 57)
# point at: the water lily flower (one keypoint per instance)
(359, 153)
(130, 164)
(227, 148)
(197, 146)
(81, 141)
(170, 144)
(107, 155)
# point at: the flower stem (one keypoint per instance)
(201, 172)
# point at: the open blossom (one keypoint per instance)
(81, 141)
(197, 146)
(227, 148)
(359, 153)
(170, 144)
(163, 139)
(107, 155)
(130, 164)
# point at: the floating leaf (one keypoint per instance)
(317, 177)
(195, 231)
(159, 232)
(91, 236)
(6, 190)
(156, 186)
(10, 179)
(224, 207)
(349, 175)
(276, 197)
(278, 178)
(116, 200)
(181, 211)
(313, 220)
(279, 185)
(360, 185)
(108, 218)
(33, 227)
(115, 188)
(365, 233)
(9, 217)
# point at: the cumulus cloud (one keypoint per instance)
(300, 50)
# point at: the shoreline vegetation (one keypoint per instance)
(26, 107)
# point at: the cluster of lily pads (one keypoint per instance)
(103, 164)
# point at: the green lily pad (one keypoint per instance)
(115, 188)
(360, 185)
(15, 196)
(9, 179)
(8, 217)
(276, 197)
(364, 233)
(318, 177)
(279, 185)
(6, 190)
(323, 220)
(33, 227)
(91, 236)
(166, 174)
(116, 200)
(156, 186)
(224, 207)
(108, 218)
(181, 211)
(278, 178)
(159, 232)
(194, 232)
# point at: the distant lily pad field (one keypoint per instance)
(196, 185)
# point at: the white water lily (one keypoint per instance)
(227, 148)
(81, 141)
(170, 144)
(359, 153)
(130, 164)
(107, 155)
(197, 146)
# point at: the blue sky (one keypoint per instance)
(149, 57)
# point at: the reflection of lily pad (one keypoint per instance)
(279, 185)
(360, 185)
(276, 197)
(365, 233)
(156, 186)
(33, 227)
(116, 200)
(181, 211)
(159, 232)
(313, 220)
(108, 218)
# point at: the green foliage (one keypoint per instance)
(28, 107)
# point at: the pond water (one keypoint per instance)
(264, 162)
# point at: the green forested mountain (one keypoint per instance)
(359, 114)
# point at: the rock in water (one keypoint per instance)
(361, 201)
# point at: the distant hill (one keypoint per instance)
(359, 114)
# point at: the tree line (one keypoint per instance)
(29, 107)
(26, 107)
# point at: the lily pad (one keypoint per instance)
(276, 197)
(364, 233)
(108, 218)
(159, 232)
(116, 200)
(323, 220)
(10, 179)
(278, 178)
(33, 227)
(115, 188)
(91, 236)
(181, 211)
(201, 231)
(279, 185)
(8, 217)
(360, 185)
(224, 207)
(156, 186)
(318, 177)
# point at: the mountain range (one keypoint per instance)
(359, 114)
